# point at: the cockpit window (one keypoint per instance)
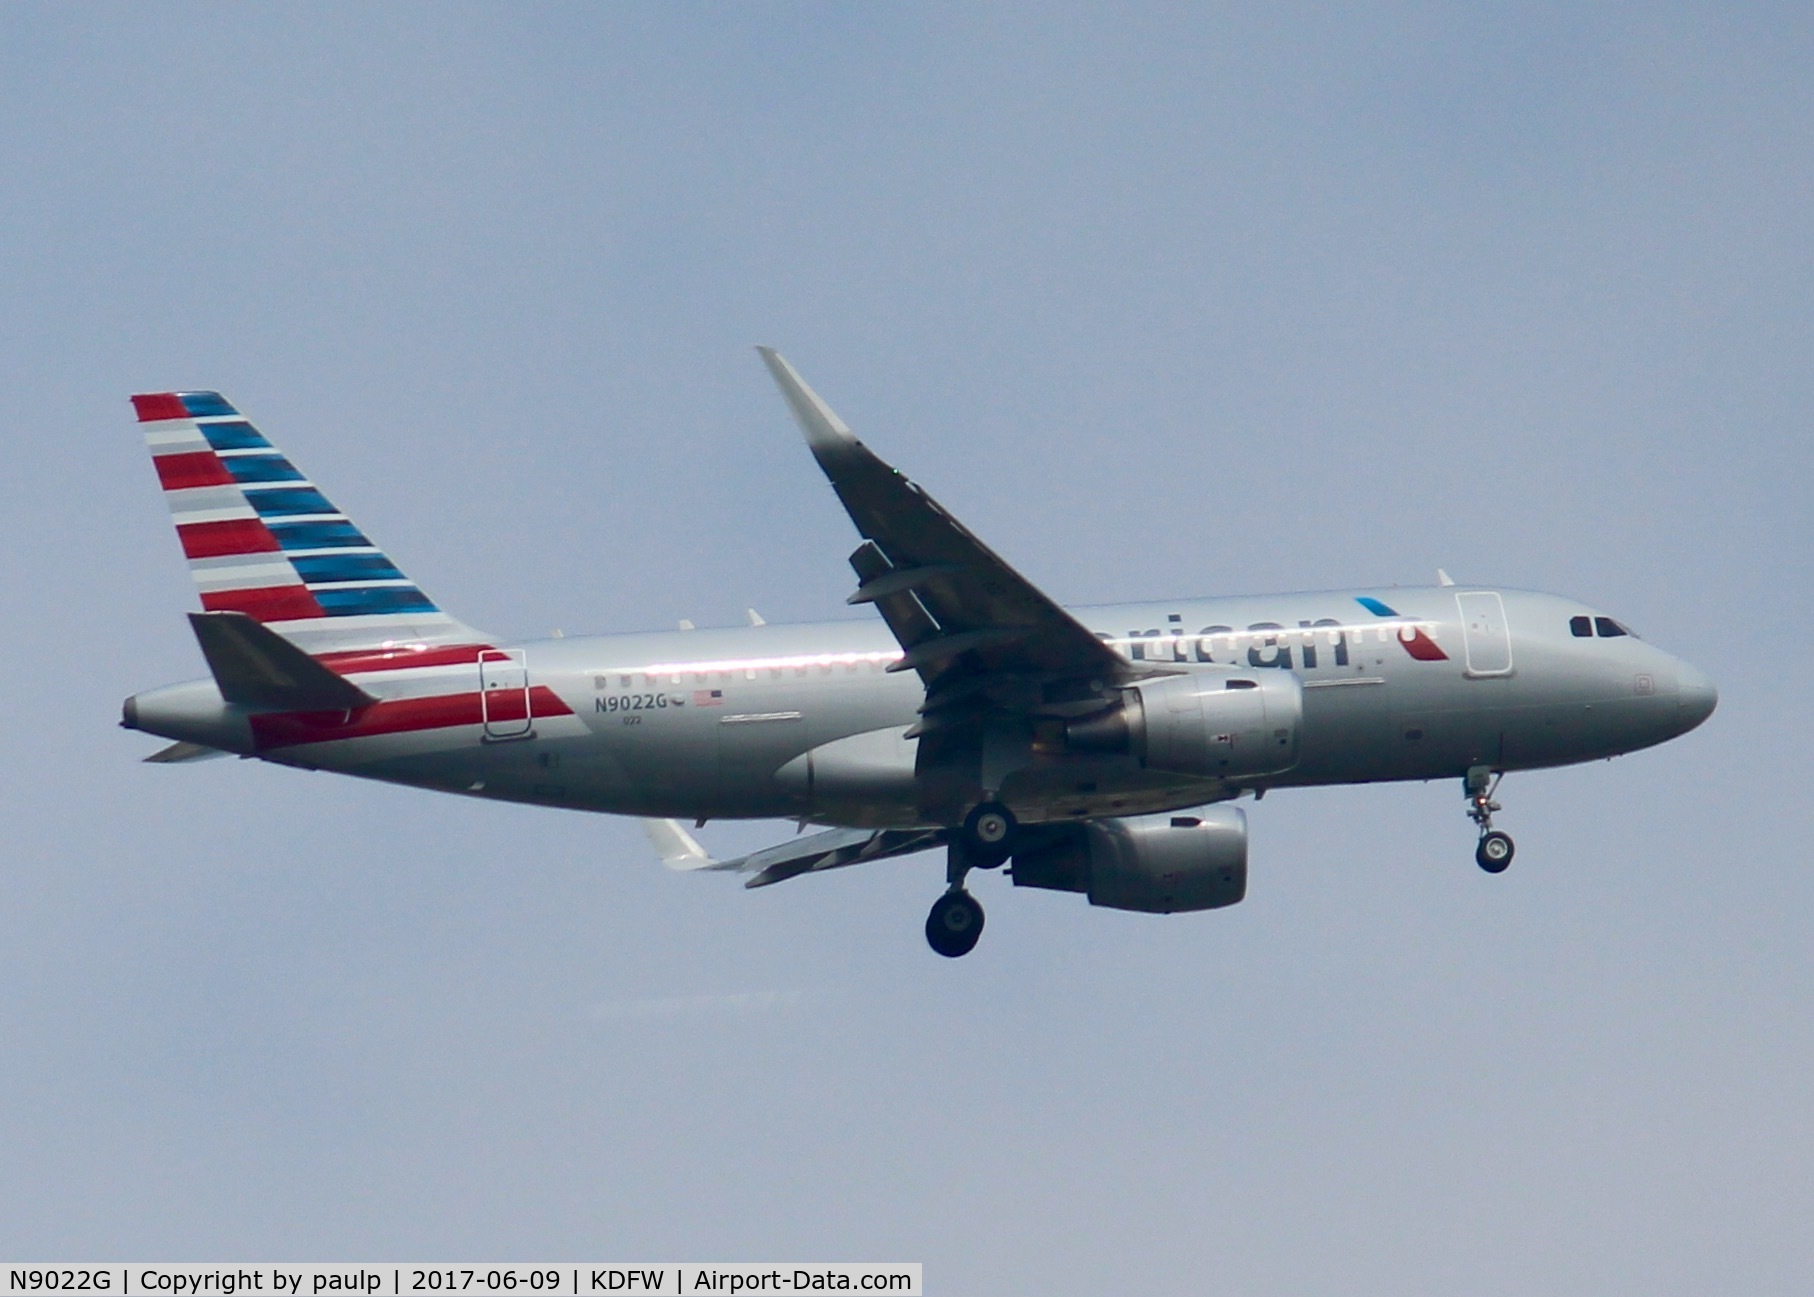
(1580, 627)
(1608, 628)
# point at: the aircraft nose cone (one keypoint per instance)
(1696, 696)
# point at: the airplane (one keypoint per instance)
(1094, 750)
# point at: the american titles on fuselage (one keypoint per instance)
(1259, 644)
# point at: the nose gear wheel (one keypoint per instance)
(1494, 851)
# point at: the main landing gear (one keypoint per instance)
(989, 834)
(955, 923)
(985, 841)
(1494, 852)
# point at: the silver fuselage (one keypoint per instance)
(722, 723)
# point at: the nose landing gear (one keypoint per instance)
(1494, 853)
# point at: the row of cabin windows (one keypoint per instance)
(748, 673)
(1604, 627)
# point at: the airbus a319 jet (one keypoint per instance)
(1094, 750)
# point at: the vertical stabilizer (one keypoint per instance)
(262, 540)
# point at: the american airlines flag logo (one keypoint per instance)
(1415, 639)
(708, 698)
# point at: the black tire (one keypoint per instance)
(955, 924)
(1494, 853)
(989, 832)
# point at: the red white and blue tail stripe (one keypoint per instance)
(263, 540)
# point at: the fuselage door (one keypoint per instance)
(1484, 633)
(504, 693)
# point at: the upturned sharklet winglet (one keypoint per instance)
(678, 849)
(825, 432)
(258, 669)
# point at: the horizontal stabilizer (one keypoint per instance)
(259, 669)
(677, 848)
(184, 752)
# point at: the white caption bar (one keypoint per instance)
(390, 1279)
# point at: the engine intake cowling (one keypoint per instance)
(1156, 864)
(1209, 724)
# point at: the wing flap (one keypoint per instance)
(897, 580)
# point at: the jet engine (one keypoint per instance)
(1157, 864)
(867, 777)
(1209, 724)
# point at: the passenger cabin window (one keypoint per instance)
(1581, 627)
(1608, 628)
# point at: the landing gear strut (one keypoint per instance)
(956, 920)
(1494, 852)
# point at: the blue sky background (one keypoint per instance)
(1170, 301)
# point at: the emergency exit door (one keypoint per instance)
(504, 693)
(1485, 636)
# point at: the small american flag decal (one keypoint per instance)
(708, 698)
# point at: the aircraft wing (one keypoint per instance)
(970, 624)
(831, 849)
(995, 653)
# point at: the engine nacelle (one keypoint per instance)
(1157, 864)
(861, 779)
(1211, 724)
